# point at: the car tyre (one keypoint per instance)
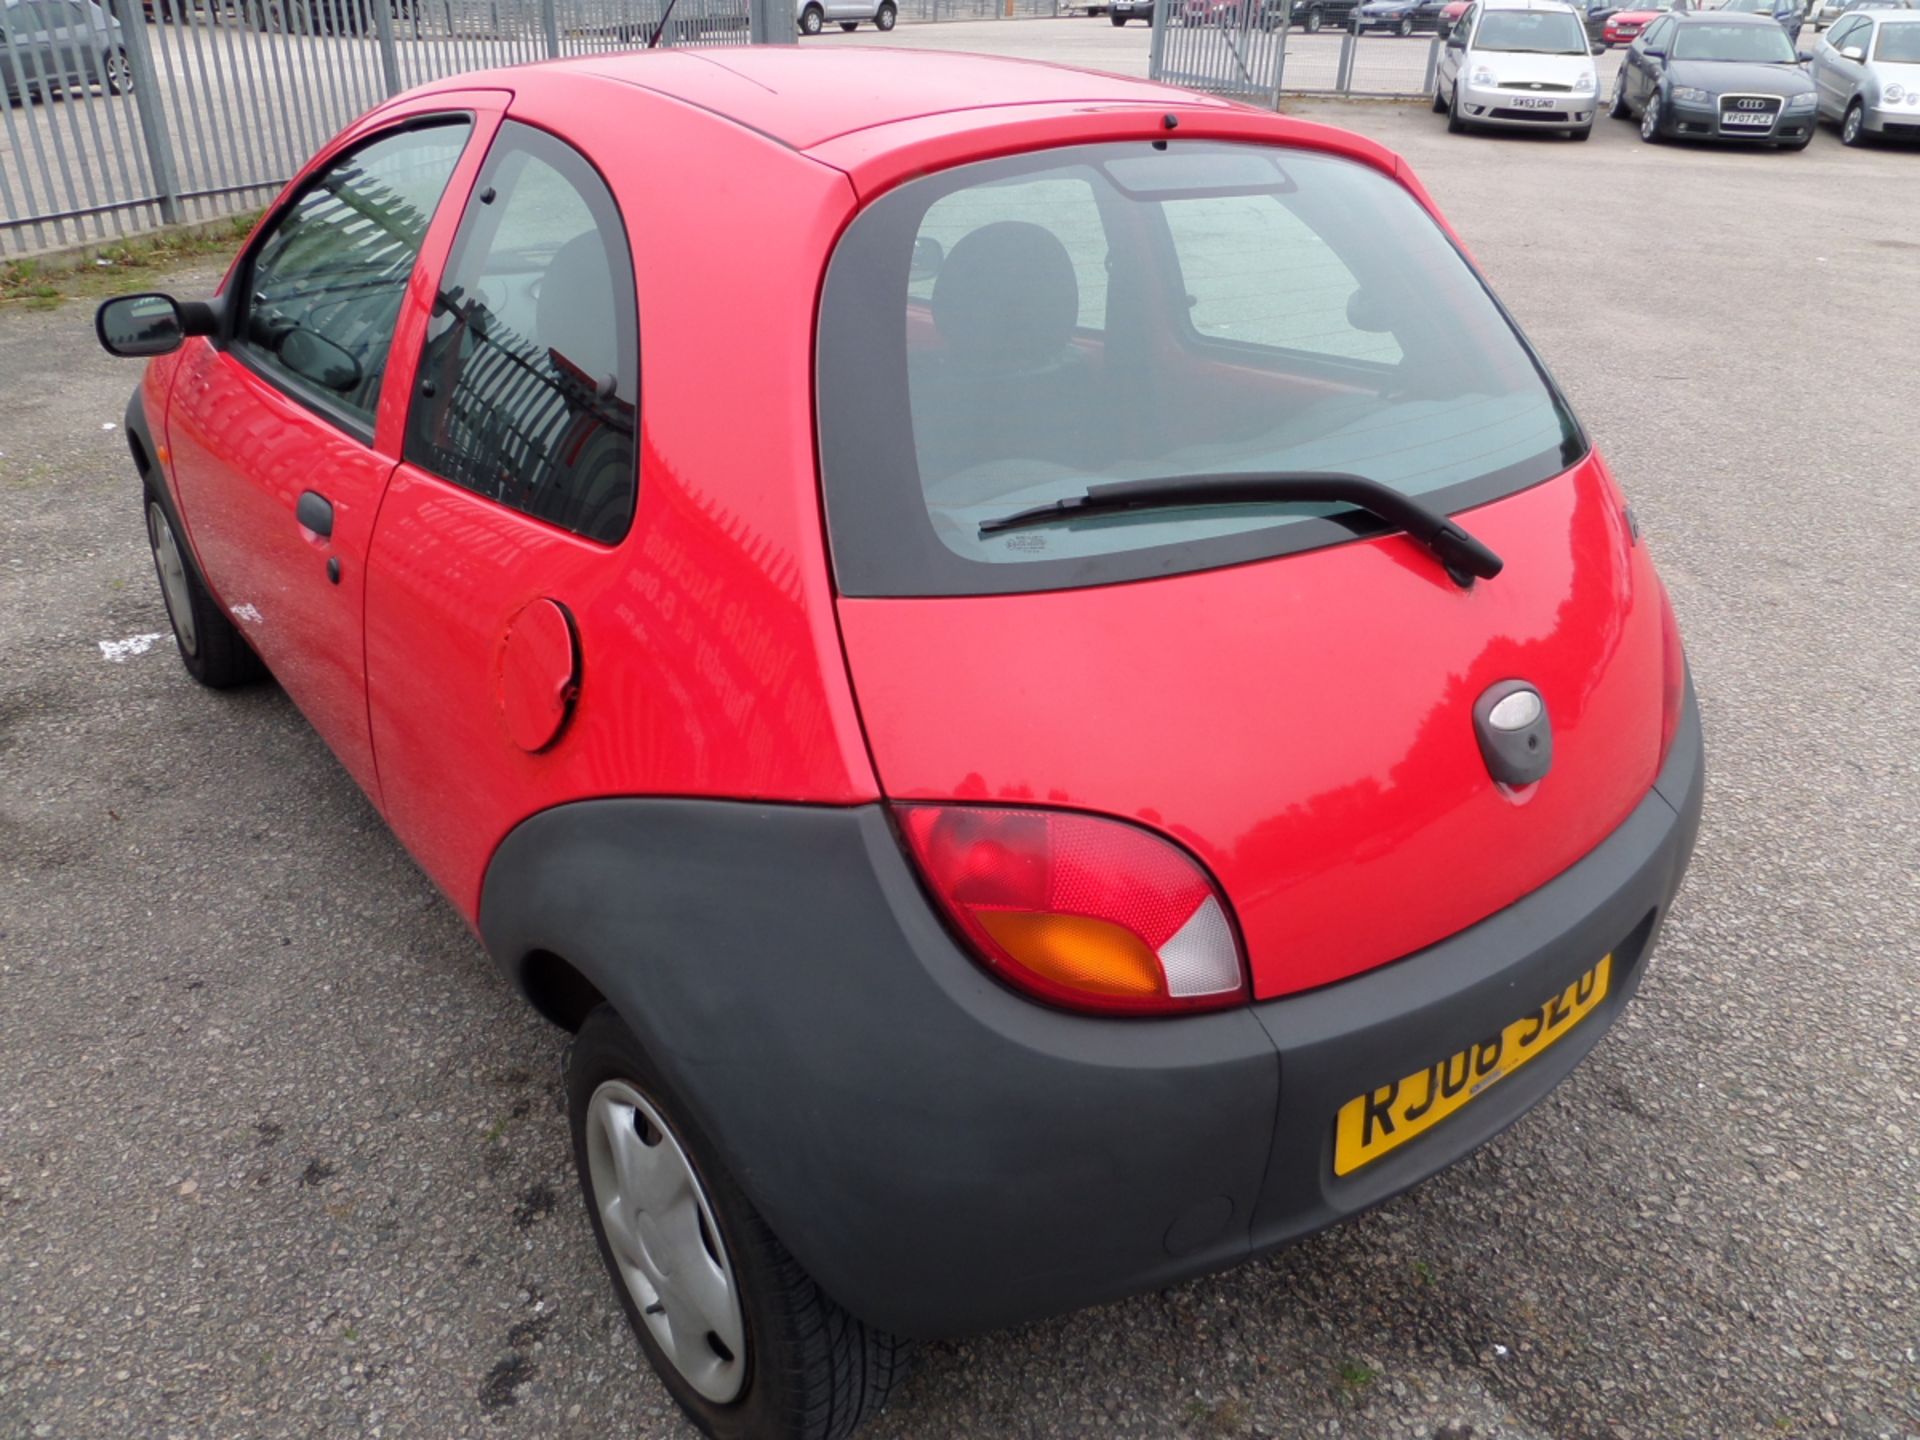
(1315, 19)
(812, 19)
(1118, 20)
(806, 1369)
(1439, 99)
(1456, 122)
(117, 74)
(1585, 132)
(885, 17)
(1853, 126)
(849, 26)
(1618, 109)
(1651, 120)
(1405, 27)
(211, 645)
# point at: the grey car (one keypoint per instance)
(1866, 70)
(812, 15)
(1710, 75)
(48, 45)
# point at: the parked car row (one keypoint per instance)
(1727, 74)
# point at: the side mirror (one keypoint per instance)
(1806, 57)
(928, 255)
(312, 356)
(1456, 41)
(136, 326)
(1853, 52)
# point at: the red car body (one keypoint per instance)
(657, 772)
(1450, 16)
(1623, 27)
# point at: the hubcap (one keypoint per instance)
(1852, 132)
(173, 578)
(1650, 122)
(665, 1241)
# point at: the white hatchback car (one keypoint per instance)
(1525, 64)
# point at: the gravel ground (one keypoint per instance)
(280, 1156)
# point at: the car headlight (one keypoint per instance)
(1483, 76)
(1895, 94)
(1585, 84)
(1688, 95)
(1802, 102)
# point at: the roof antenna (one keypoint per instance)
(661, 28)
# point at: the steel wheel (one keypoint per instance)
(886, 16)
(665, 1240)
(811, 19)
(1650, 119)
(174, 588)
(1853, 129)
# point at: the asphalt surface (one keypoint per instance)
(281, 1156)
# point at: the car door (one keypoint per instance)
(503, 522)
(1826, 61)
(1453, 58)
(72, 39)
(1843, 72)
(283, 436)
(28, 50)
(1648, 60)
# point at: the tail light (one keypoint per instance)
(1673, 677)
(1088, 913)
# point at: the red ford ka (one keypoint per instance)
(1030, 661)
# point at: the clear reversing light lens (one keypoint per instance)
(1089, 913)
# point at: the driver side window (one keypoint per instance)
(324, 287)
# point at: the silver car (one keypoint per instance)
(48, 45)
(813, 15)
(1822, 13)
(1866, 70)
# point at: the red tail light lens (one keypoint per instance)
(1673, 677)
(1088, 913)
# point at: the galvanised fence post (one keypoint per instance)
(550, 27)
(146, 103)
(771, 22)
(389, 55)
(1343, 76)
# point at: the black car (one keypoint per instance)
(1121, 11)
(1401, 17)
(1715, 75)
(1312, 15)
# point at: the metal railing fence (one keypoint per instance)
(1249, 50)
(138, 113)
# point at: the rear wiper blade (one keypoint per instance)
(1463, 556)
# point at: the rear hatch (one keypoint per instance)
(1287, 690)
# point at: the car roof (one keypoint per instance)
(1724, 17)
(1526, 5)
(802, 96)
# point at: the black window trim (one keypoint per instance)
(639, 367)
(231, 338)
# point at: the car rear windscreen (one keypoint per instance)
(1006, 334)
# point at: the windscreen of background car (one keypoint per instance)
(1542, 32)
(1005, 334)
(1753, 44)
(1898, 44)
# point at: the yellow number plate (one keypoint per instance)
(1371, 1125)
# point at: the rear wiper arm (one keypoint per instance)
(1463, 556)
